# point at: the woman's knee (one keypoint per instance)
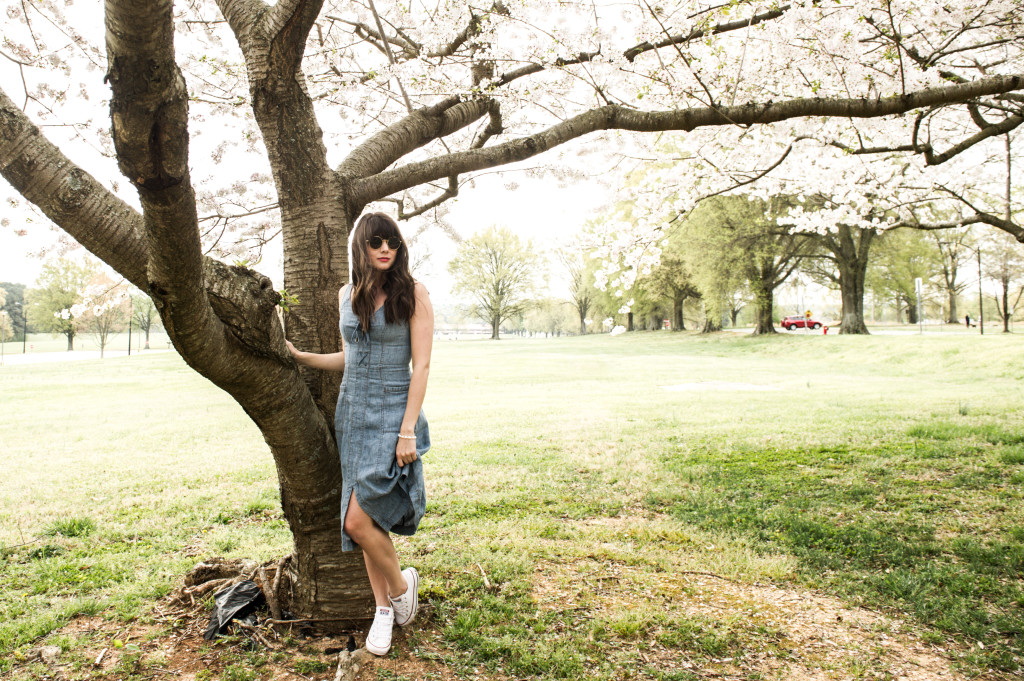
(356, 521)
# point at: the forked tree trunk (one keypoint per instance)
(850, 247)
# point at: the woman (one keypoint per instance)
(386, 321)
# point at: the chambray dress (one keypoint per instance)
(371, 405)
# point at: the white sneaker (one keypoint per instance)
(405, 606)
(378, 641)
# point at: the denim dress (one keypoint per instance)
(371, 405)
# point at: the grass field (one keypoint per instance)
(650, 506)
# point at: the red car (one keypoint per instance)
(798, 322)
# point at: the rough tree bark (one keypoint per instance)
(223, 320)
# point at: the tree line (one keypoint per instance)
(75, 297)
(727, 260)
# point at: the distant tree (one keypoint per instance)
(60, 285)
(953, 250)
(901, 257)
(843, 262)
(550, 316)
(144, 315)
(103, 309)
(1007, 269)
(581, 285)
(672, 280)
(497, 270)
(738, 238)
(15, 306)
(6, 328)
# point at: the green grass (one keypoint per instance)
(886, 470)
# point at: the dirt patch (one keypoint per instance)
(172, 646)
(785, 632)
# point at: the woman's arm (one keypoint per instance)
(334, 361)
(421, 336)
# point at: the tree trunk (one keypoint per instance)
(954, 318)
(678, 324)
(851, 287)
(850, 247)
(711, 325)
(495, 327)
(71, 340)
(629, 321)
(764, 299)
(765, 312)
(911, 309)
(1006, 306)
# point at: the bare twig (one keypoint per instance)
(391, 56)
(487, 582)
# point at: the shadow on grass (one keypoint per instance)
(930, 526)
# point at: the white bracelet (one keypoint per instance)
(407, 437)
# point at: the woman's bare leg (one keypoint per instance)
(378, 552)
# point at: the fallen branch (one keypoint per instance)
(254, 632)
(706, 574)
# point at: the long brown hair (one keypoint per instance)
(396, 282)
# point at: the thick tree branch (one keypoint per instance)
(412, 132)
(287, 25)
(71, 197)
(614, 117)
(149, 116)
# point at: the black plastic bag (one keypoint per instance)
(237, 601)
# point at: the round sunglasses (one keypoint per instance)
(376, 242)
